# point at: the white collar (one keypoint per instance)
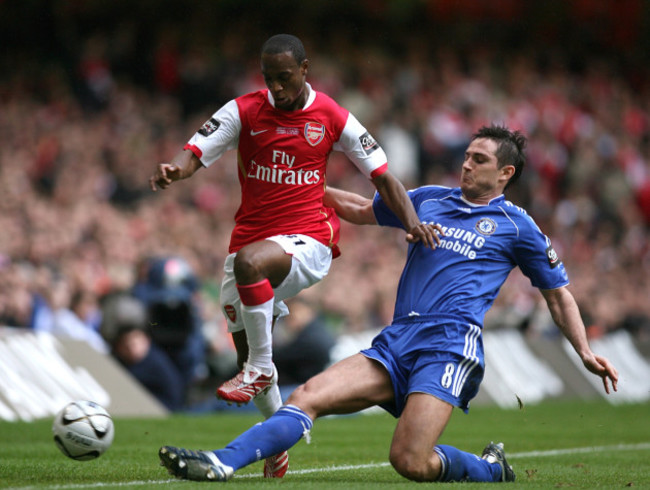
(475, 205)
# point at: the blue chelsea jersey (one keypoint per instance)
(482, 244)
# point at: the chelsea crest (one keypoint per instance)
(486, 226)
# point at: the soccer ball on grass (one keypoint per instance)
(83, 430)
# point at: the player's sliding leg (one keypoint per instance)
(273, 436)
(494, 454)
(419, 427)
(458, 466)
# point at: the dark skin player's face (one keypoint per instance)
(286, 80)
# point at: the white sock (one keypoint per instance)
(258, 320)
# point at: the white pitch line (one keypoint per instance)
(529, 454)
(581, 450)
(134, 483)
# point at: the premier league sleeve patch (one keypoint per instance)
(368, 143)
(553, 259)
(209, 127)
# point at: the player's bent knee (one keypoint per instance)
(304, 399)
(261, 260)
(413, 468)
(247, 266)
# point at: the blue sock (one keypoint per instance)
(459, 466)
(276, 434)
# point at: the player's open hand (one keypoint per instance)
(166, 173)
(602, 367)
(428, 233)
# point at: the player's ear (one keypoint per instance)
(304, 67)
(507, 171)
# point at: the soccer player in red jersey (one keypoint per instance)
(284, 237)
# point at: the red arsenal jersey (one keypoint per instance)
(282, 157)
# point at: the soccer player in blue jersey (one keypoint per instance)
(430, 359)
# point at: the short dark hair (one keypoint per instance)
(510, 149)
(281, 43)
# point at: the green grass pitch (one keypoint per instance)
(551, 445)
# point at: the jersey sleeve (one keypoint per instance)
(385, 217)
(218, 134)
(536, 257)
(360, 147)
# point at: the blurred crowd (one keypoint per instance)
(81, 230)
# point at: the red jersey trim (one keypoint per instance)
(332, 243)
(379, 171)
(194, 149)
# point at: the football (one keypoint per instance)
(83, 430)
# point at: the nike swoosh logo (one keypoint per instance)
(255, 133)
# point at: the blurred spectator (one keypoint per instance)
(44, 300)
(74, 189)
(303, 343)
(22, 305)
(125, 328)
(95, 72)
(68, 316)
(170, 293)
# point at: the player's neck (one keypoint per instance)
(482, 200)
(302, 99)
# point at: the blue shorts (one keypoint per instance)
(442, 358)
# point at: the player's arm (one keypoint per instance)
(350, 206)
(368, 156)
(182, 166)
(394, 195)
(219, 134)
(566, 315)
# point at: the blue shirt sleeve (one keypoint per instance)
(385, 217)
(536, 257)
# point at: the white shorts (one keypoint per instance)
(311, 263)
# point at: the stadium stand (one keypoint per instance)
(91, 99)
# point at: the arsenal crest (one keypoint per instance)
(314, 133)
(231, 312)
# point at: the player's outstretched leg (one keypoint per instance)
(194, 465)
(461, 466)
(264, 440)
